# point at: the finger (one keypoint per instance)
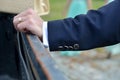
(16, 21)
(22, 15)
(23, 27)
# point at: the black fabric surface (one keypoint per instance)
(8, 54)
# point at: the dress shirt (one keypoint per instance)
(45, 34)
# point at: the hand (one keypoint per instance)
(29, 21)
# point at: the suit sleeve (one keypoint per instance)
(98, 28)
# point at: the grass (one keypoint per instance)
(57, 6)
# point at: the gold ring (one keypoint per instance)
(19, 19)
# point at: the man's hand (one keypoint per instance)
(29, 21)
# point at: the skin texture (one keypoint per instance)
(29, 21)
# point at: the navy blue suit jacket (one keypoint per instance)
(97, 28)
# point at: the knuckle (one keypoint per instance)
(30, 21)
(29, 17)
(30, 11)
(14, 19)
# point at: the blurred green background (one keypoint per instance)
(56, 8)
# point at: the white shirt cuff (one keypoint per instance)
(45, 35)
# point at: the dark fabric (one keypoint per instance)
(97, 28)
(8, 55)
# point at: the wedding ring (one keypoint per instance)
(19, 19)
